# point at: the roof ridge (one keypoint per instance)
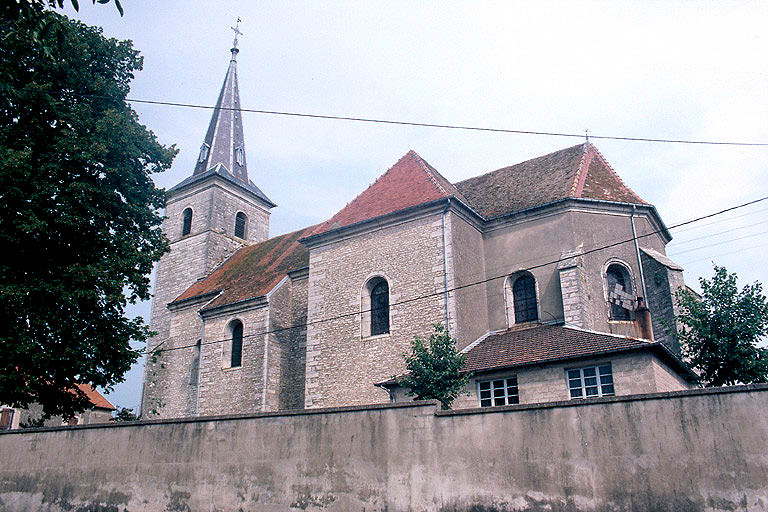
(518, 163)
(425, 167)
(614, 173)
(611, 334)
(579, 178)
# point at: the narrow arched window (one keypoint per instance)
(380, 308)
(186, 225)
(524, 296)
(240, 222)
(236, 355)
(618, 282)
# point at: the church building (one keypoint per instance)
(551, 274)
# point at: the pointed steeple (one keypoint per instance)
(223, 148)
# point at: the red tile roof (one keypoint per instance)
(576, 172)
(410, 182)
(96, 398)
(518, 347)
(254, 270)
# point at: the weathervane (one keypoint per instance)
(586, 130)
(236, 30)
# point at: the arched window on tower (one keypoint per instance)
(618, 281)
(186, 224)
(524, 299)
(240, 223)
(236, 352)
(375, 307)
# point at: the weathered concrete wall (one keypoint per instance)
(701, 450)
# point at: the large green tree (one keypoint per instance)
(720, 331)
(433, 368)
(79, 213)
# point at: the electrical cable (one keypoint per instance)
(455, 288)
(408, 123)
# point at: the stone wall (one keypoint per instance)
(691, 451)
(342, 365)
(662, 283)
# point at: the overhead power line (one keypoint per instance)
(412, 123)
(455, 288)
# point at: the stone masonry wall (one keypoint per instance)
(662, 283)
(690, 451)
(288, 321)
(342, 367)
(468, 266)
(241, 389)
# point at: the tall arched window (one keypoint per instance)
(375, 307)
(240, 221)
(524, 299)
(236, 355)
(380, 308)
(186, 223)
(618, 280)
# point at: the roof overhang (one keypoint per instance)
(218, 174)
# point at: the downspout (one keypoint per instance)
(445, 269)
(637, 252)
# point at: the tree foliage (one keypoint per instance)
(124, 414)
(79, 213)
(720, 331)
(434, 369)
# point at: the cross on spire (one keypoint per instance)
(236, 30)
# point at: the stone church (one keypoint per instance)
(551, 275)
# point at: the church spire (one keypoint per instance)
(223, 149)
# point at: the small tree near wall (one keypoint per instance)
(434, 369)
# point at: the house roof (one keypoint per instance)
(96, 398)
(410, 182)
(253, 271)
(576, 172)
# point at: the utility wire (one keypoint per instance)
(719, 243)
(719, 221)
(718, 233)
(446, 291)
(408, 123)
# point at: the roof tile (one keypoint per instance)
(517, 347)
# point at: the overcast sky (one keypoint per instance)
(687, 70)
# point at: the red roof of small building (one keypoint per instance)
(410, 182)
(254, 270)
(96, 398)
(544, 343)
(576, 172)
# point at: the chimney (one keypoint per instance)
(643, 325)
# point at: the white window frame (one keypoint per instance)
(603, 383)
(508, 398)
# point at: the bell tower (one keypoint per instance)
(208, 216)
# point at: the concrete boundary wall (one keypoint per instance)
(698, 450)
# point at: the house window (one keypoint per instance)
(186, 224)
(498, 392)
(236, 355)
(240, 221)
(203, 152)
(524, 299)
(618, 282)
(591, 381)
(239, 155)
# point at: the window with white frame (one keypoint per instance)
(591, 381)
(498, 392)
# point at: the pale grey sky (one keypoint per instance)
(684, 70)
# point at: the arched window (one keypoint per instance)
(524, 299)
(236, 355)
(186, 224)
(203, 152)
(618, 281)
(375, 307)
(240, 221)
